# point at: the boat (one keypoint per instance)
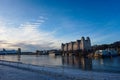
(106, 53)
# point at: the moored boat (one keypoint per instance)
(106, 53)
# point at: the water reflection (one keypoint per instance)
(19, 58)
(106, 64)
(83, 63)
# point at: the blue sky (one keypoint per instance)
(45, 24)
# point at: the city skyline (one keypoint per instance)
(45, 24)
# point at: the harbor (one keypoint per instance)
(59, 40)
(74, 61)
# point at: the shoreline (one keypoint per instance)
(63, 72)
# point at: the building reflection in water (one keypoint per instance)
(83, 63)
(18, 58)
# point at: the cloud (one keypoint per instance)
(4, 42)
(33, 47)
(27, 36)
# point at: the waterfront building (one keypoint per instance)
(19, 51)
(79, 45)
(8, 52)
(4, 51)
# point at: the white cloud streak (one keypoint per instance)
(28, 36)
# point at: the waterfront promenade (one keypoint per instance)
(20, 71)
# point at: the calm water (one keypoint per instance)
(106, 64)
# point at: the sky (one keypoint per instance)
(45, 24)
